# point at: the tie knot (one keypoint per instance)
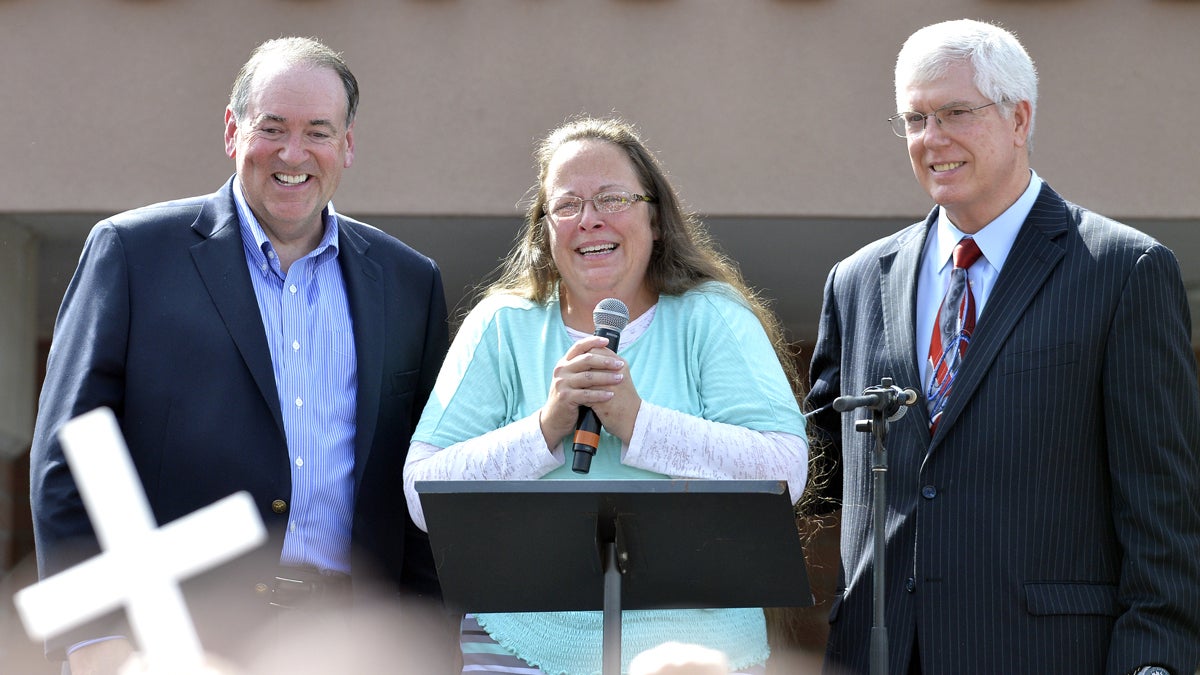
(966, 253)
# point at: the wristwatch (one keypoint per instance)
(1151, 670)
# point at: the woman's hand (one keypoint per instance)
(617, 414)
(589, 374)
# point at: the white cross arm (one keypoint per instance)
(41, 605)
(140, 566)
(178, 550)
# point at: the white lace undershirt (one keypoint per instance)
(664, 441)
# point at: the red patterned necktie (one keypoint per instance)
(951, 331)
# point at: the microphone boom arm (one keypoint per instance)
(886, 398)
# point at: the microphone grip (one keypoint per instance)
(587, 437)
(846, 403)
(587, 428)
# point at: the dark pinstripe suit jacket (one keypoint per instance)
(1052, 522)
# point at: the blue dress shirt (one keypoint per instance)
(306, 316)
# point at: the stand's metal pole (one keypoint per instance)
(879, 633)
(611, 654)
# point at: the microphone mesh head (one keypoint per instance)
(611, 313)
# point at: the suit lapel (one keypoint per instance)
(898, 297)
(1035, 254)
(221, 261)
(364, 290)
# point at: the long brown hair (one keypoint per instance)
(684, 254)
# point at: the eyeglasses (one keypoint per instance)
(912, 124)
(569, 206)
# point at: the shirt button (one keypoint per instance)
(910, 585)
(279, 506)
(295, 345)
(299, 403)
(929, 492)
(292, 288)
(299, 461)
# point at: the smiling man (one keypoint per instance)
(290, 131)
(1041, 514)
(254, 339)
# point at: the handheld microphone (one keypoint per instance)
(610, 316)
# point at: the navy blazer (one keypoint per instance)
(1051, 523)
(161, 324)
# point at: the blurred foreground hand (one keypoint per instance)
(677, 658)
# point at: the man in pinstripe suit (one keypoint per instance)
(1049, 521)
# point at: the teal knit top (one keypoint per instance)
(704, 354)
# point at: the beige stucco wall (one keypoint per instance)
(760, 107)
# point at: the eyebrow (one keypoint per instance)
(270, 117)
(951, 104)
(956, 104)
(608, 187)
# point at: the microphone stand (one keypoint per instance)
(885, 407)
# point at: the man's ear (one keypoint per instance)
(1022, 119)
(231, 128)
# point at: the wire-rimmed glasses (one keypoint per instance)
(952, 117)
(566, 207)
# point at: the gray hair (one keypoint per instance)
(292, 51)
(1003, 71)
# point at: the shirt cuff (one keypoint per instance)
(87, 643)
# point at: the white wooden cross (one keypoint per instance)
(141, 565)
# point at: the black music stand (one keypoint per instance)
(558, 545)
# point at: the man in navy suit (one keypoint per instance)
(1048, 521)
(254, 339)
